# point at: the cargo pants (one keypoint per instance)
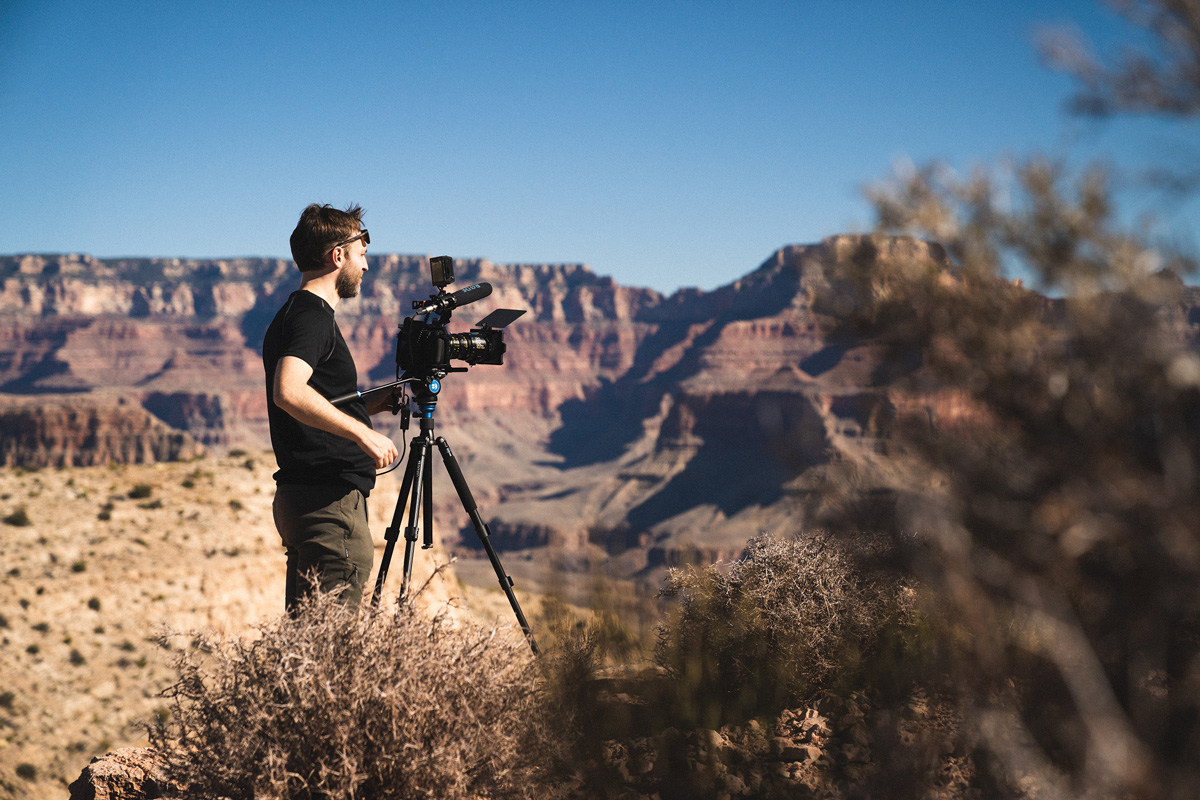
(324, 532)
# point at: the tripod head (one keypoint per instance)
(425, 396)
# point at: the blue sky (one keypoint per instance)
(666, 144)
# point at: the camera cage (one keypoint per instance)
(424, 345)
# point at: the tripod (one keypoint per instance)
(417, 486)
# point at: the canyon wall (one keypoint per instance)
(622, 419)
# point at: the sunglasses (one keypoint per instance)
(365, 235)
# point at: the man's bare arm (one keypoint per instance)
(293, 394)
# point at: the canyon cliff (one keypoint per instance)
(643, 427)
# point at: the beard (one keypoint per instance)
(347, 284)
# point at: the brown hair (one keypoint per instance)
(319, 229)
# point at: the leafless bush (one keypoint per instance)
(589, 656)
(1051, 465)
(338, 704)
(581, 645)
(1060, 498)
(789, 618)
(1161, 79)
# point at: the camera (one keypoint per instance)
(424, 346)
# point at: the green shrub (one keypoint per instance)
(339, 705)
(141, 491)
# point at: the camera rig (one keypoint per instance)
(425, 347)
(424, 352)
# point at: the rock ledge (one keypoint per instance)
(130, 773)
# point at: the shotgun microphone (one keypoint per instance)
(443, 303)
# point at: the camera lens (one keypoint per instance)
(475, 347)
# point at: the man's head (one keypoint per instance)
(320, 230)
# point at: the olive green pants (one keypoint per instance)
(324, 531)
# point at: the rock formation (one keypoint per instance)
(623, 421)
(85, 432)
(129, 773)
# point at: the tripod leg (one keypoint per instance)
(481, 530)
(428, 481)
(420, 452)
(392, 533)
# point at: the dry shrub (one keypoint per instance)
(1047, 450)
(789, 619)
(1057, 493)
(590, 658)
(580, 647)
(335, 704)
(570, 664)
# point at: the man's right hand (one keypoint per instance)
(379, 447)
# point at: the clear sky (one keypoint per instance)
(666, 144)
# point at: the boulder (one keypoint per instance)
(130, 773)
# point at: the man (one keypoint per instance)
(327, 455)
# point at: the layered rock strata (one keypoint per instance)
(622, 421)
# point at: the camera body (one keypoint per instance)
(425, 347)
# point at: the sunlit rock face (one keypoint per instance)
(87, 433)
(622, 419)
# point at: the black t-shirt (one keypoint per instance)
(305, 328)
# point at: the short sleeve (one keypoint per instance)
(307, 334)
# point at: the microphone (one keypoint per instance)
(446, 302)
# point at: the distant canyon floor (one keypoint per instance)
(100, 562)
